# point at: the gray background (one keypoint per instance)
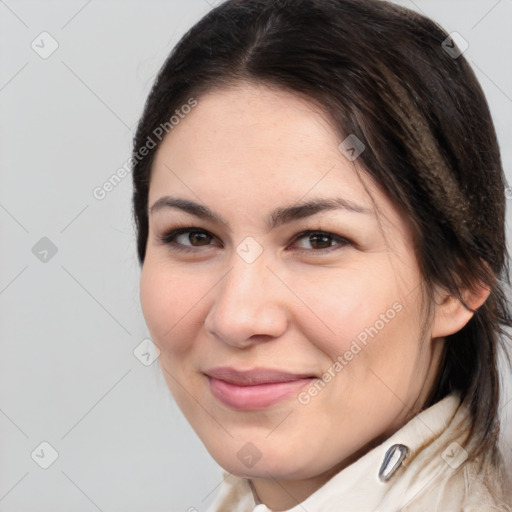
(70, 323)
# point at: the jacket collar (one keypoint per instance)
(379, 476)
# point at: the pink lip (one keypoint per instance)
(254, 389)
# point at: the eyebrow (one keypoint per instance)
(276, 218)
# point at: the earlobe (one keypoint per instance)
(451, 315)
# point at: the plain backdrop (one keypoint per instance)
(74, 76)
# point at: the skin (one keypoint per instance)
(243, 152)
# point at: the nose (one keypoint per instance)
(248, 305)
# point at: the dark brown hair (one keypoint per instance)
(383, 73)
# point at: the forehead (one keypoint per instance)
(255, 148)
(251, 118)
(253, 132)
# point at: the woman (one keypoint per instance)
(319, 201)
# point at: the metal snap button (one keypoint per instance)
(392, 461)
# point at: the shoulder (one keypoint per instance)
(477, 485)
(486, 484)
(448, 474)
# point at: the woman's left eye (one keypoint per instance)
(320, 241)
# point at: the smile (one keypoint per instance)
(255, 389)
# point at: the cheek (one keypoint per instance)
(367, 322)
(374, 349)
(353, 305)
(169, 302)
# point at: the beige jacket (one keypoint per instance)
(436, 474)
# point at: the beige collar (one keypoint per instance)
(429, 446)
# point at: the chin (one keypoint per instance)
(247, 461)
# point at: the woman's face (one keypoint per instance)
(289, 334)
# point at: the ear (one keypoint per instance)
(451, 315)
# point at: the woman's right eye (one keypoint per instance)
(187, 238)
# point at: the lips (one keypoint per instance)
(254, 377)
(254, 389)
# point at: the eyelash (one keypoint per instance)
(168, 239)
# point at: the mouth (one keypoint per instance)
(254, 389)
